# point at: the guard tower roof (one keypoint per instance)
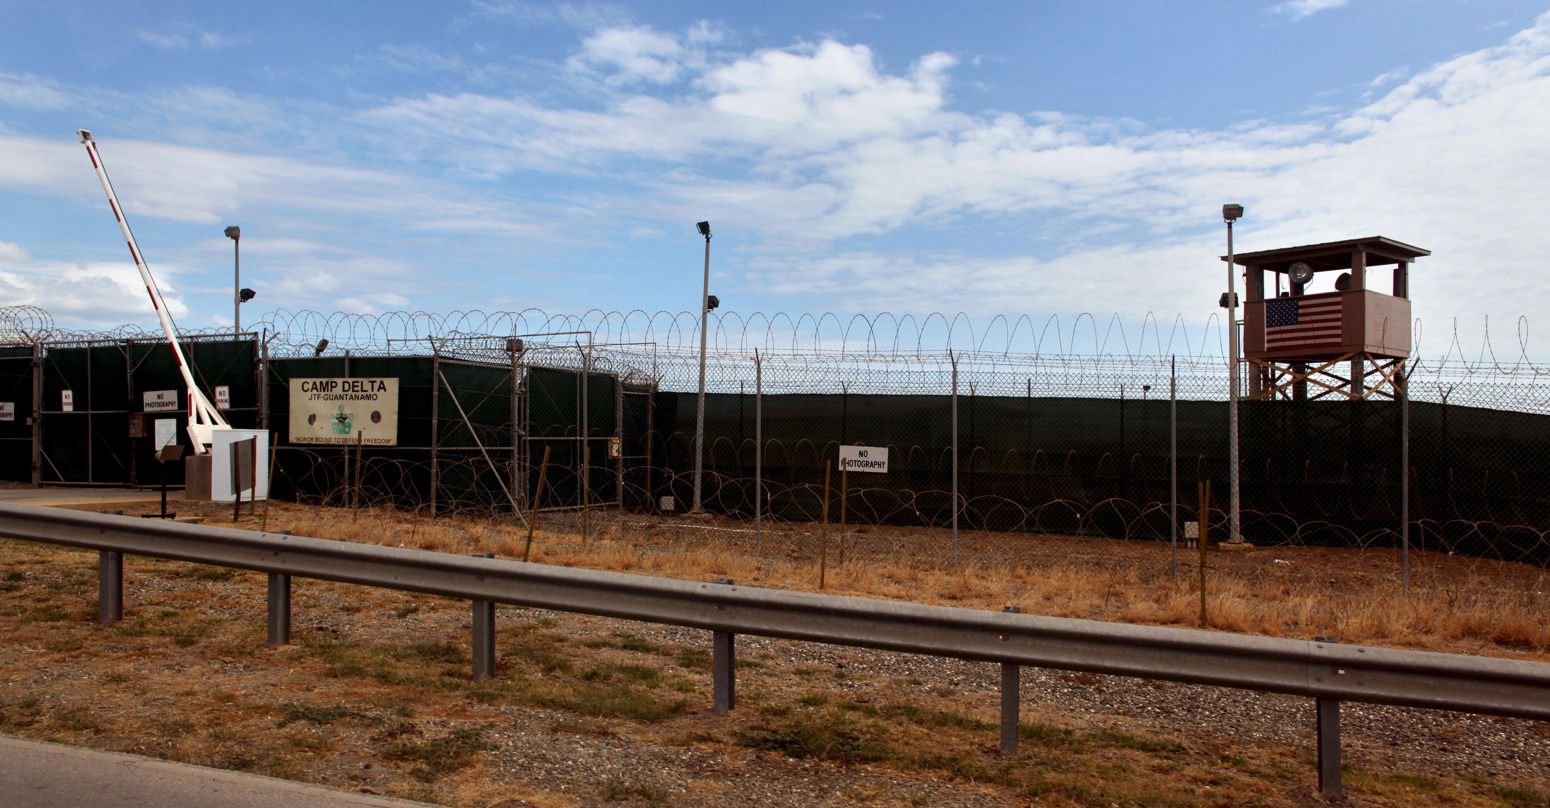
(1332, 254)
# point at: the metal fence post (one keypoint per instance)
(1404, 478)
(1011, 701)
(619, 437)
(954, 360)
(435, 425)
(758, 453)
(279, 609)
(484, 635)
(518, 477)
(37, 414)
(1329, 748)
(110, 586)
(1173, 467)
(262, 391)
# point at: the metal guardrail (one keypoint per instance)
(1328, 672)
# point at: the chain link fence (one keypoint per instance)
(1004, 431)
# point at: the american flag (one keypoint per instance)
(1310, 321)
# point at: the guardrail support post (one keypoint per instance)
(1329, 748)
(279, 609)
(723, 661)
(1011, 701)
(484, 634)
(1011, 704)
(110, 586)
(484, 639)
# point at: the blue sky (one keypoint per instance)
(994, 158)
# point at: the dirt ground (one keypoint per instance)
(374, 693)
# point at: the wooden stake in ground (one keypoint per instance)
(823, 531)
(355, 500)
(274, 447)
(844, 497)
(532, 522)
(1205, 522)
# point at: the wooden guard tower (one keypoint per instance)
(1293, 339)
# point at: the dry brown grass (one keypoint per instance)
(375, 692)
(1455, 604)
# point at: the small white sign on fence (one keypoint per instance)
(166, 433)
(870, 459)
(67, 401)
(222, 397)
(7, 410)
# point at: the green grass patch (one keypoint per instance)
(1140, 743)
(629, 641)
(203, 572)
(1518, 797)
(320, 714)
(642, 791)
(610, 700)
(48, 613)
(419, 664)
(693, 659)
(623, 673)
(921, 716)
(437, 757)
(19, 714)
(829, 737)
(547, 660)
(76, 719)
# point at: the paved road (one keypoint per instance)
(86, 497)
(46, 775)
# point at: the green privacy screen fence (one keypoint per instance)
(471, 433)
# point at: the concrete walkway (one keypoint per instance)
(93, 498)
(70, 497)
(46, 775)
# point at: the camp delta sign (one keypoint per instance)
(343, 411)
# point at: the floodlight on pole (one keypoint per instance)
(699, 410)
(235, 234)
(1230, 214)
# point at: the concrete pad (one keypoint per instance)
(34, 774)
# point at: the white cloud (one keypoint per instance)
(26, 91)
(213, 41)
(806, 146)
(810, 149)
(633, 54)
(183, 37)
(1302, 9)
(91, 294)
(162, 39)
(586, 16)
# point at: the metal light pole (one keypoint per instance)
(1230, 214)
(235, 234)
(699, 412)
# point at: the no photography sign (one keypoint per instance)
(870, 459)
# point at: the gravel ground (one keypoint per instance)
(1373, 735)
(553, 757)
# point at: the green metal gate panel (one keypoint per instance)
(92, 443)
(16, 434)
